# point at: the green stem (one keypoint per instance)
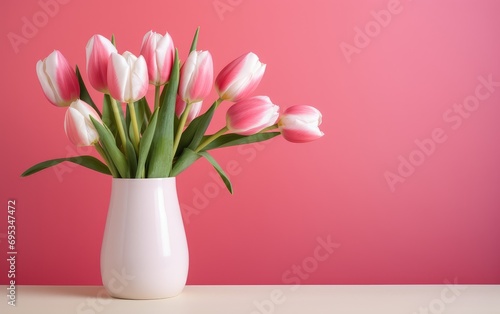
(182, 123)
(133, 119)
(104, 156)
(211, 138)
(157, 96)
(119, 124)
(218, 102)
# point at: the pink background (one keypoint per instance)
(437, 221)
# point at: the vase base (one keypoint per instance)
(142, 296)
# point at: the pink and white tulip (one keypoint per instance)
(251, 115)
(300, 124)
(196, 77)
(78, 126)
(58, 79)
(158, 51)
(238, 79)
(127, 77)
(98, 50)
(180, 105)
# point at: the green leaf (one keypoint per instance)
(131, 158)
(219, 170)
(185, 160)
(162, 154)
(84, 93)
(104, 154)
(109, 145)
(145, 145)
(143, 114)
(202, 126)
(130, 129)
(85, 161)
(163, 93)
(195, 40)
(235, 139)
(187, 135)
(108, 117)
(128, 125)
(125, 126)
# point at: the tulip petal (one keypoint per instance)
(98, 50)
(196, 76)
(240, 78)
(202, 80)
(46, 84)
(78, 125)
(138, 79)
(118, 76)
(148, 51)
(67, 83)
(251, 115)
(300, 124)
(58, 79)
(302, 135)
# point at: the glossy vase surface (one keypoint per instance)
(144, 252)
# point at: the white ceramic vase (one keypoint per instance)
(144, 252)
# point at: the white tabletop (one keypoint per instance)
(305, 299)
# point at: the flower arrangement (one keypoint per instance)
(165, 138)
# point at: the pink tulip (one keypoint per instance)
(300, 124)
(239, 78)
(196, 77)
(251, 115)
(98, 50)
(58, 79)
(159, 53)
(78, 126)
(180, 105)
(127, 77)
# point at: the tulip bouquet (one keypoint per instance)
(140, 140)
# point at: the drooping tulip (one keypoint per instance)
(158, 51)
(300, 124)
(180, 105)
(251, 115)
(58, 79)
(238, 79)
(196, 77)
(98, 50)
(78, 126)
(127, 77)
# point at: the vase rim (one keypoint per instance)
(144, 179)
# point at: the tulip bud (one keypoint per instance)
(98, 50)
(196, 77)
(239, 78)
(180, 105)
(58, 79)
(158, 51)
(251, 115)
(127, 77)
(300, 124)
(78, 126)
